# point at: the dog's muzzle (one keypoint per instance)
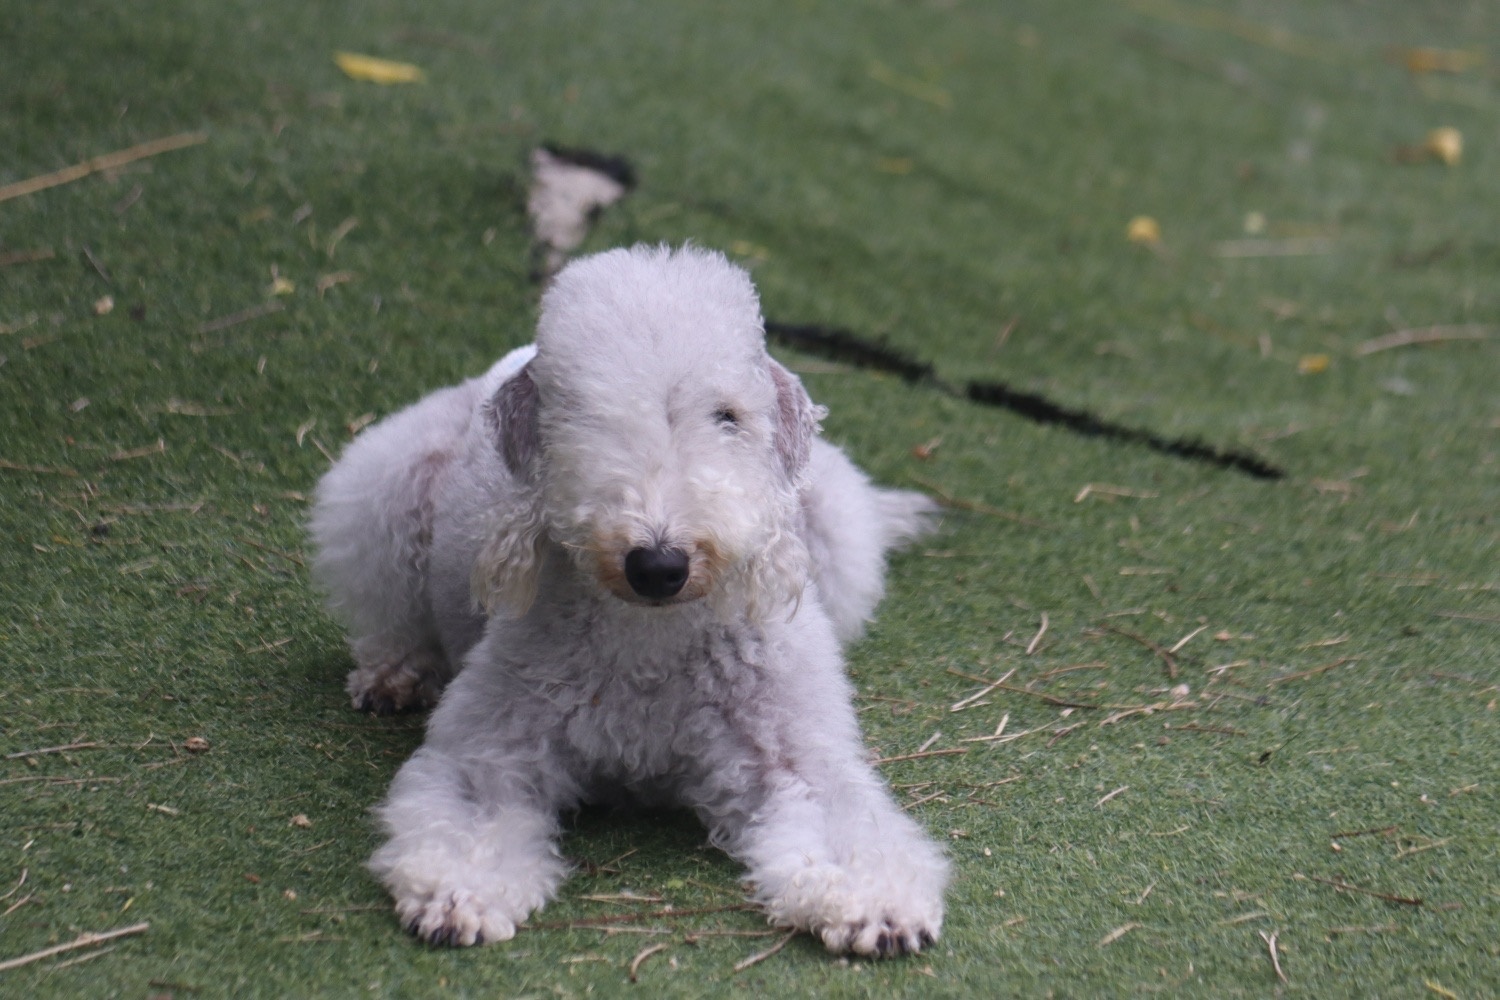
(656, 574)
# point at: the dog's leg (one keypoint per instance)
(843, 862)
(373, 526)
(471, 852)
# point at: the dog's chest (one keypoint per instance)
(643, 712)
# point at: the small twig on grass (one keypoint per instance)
(19, 882)
(923, 800)
(1126, 711)
(79, 960)
(1295, 246)
(1118, 933)
(343, 229)
(43, 470)
(142, 452)
(691, 937)
(761, 956)
(85, 940)
(123, 205)
(1270, 941)
(1049, 699)
(357, 908)
(645, 953)
(1302, 675)
(1059, 671)
(243, 316)
(947, 499)
(88, 255)
(26, 256)
(61, 749)
(1036, 639)
(1117, 791)
(1106, 490)
(1244, 918)
(95, 164)
(963, 703)
(1000, 736)
(13, 907)
(1425, 335)
(1166, 655)
(1470, 618)
(1186, 639)
(1405, 852)
(954, 751)
(1058, 734)
(1346, 887)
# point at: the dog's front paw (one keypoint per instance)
(388, 684)
(879, 928)
(458, 918)
(859, 912)
(885, 935)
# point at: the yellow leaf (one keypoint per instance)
(374, 70)
(1143, 230)
(1426, 60)
(1312, 364)
(754, 251)
(1446, 143)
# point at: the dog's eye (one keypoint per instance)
(726, 418)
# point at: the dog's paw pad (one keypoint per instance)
(455, 919)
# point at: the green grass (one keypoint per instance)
(926, 172)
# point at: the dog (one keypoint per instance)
(644, 558)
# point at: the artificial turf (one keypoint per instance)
(185, 337)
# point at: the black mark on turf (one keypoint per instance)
(851, 348)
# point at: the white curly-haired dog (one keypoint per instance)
(644, 558)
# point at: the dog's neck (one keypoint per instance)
(572, 611)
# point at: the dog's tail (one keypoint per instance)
(904, 516)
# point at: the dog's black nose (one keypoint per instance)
(656, 573)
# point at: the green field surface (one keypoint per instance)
(1247, 740)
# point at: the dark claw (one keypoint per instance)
(376, 706)
(886, 945)
(925, 940)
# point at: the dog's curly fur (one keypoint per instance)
(645, 559)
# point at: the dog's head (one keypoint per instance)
(660, 444)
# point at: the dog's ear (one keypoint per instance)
(797, 420)
(512, 419)
(506, 570)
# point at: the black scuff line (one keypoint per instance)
(844, 346)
